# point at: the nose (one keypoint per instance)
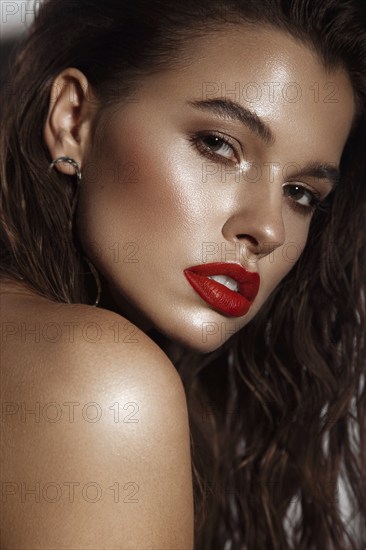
(257, 223)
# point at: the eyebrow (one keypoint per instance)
(320, 171)
(226, 108)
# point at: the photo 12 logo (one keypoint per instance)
(254, 92)
(69, 411)
(17, 15)
(70, 491)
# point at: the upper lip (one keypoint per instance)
(248, 281)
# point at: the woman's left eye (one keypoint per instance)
(302, 195)
(214, 146)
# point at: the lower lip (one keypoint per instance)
(227, 301)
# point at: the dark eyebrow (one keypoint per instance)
(320, 170)
(226, 108)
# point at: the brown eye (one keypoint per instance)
(218, 145)
(214, 147)
(301, 195)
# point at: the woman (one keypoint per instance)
(197, 171)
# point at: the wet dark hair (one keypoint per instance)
(277, 414)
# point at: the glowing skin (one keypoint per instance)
(148, 184)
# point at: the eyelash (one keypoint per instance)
(314, 203)
(196, 140)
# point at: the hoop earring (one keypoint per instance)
(76, 166)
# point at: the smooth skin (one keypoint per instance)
(112, 426)
(154, 192)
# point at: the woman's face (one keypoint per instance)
(220, 162)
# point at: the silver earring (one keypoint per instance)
(70, 161)
(76, 166)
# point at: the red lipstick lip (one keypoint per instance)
(229, 302)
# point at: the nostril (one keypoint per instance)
(251, 243)
(250, 238)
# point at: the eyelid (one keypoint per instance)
(232, 142)
(306, 186)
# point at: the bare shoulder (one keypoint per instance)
(66, 340)
(95, 437)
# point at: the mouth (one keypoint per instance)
(227, 287)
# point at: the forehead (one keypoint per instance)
(268, 71)
(258, 58)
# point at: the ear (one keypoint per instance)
(67, 128)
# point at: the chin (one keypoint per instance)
(203, 336)
(199, 346)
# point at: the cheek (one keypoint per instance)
(139, 194)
